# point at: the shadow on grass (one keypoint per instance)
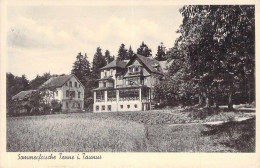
(237, 135)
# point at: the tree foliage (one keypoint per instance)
(144, 50)
(122, 53)
(161, 53)
(99, 61)
(215, 51)
(108, 57)
(130, 52)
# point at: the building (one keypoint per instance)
(22, 99)
(67, 90)
(127, 86)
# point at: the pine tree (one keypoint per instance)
(108, 57)
(122, 53)
(160, 56)
(99, 61)
(144, 50)
(130, 52)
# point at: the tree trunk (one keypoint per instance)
(230, 94)
(200, 100)
(207, 101)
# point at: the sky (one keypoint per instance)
(48, 38)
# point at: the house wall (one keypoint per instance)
(71, 101)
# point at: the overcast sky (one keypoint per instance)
(48, 38)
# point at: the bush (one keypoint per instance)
(55, 106)
(88, 103)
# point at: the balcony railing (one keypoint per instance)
(100, 100)
(128, 98)
(124, 85)
(111, 99)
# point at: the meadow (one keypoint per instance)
(127, 132)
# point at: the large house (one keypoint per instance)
(127, 86)
(66, 89)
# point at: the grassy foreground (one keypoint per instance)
(125, 132)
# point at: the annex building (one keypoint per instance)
(128, 86)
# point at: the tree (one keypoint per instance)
(39, 80)
(14, 85)
(216, 41)
(122, 53)
(130, 52)
(144, 50)
(108, 57)
(81, 69)
(161, 55)
(99, 61)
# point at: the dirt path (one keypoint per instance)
(238, 119)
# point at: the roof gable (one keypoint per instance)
(151, 64)
(59, 81)
(115, 64)
(23, 94)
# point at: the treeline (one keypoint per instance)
(213, 60)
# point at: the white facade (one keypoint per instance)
(70, 95)
(125, 89)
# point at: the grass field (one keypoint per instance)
(125, 132)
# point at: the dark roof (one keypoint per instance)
(115, 64)
(23, 94)
(150, 63)
(55, 82)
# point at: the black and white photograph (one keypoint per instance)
(131, 78)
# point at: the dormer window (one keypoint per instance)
(130, 69)
(136, 69)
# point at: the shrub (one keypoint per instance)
(55, 106)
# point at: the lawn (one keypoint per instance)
(126, 132)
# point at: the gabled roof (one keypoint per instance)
(115, 64)
(23, 94)
(152, 64)
(59, 81)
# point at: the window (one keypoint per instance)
(76, 84)
(128, 106)
(100, 96)
(105, 84)
(67, 105)
(135, 105)
(105, 73)
(111, 72)
(67, 93)
(136, 69)
(97, 108)
(79, 85)
(109, 108)
(130, 69)
(111, 95)
(79, 95)
(57, 93)
(129, 94)
(70, 84)
(66, 84)
(103, 108)
(121, 106)
(72, 94)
